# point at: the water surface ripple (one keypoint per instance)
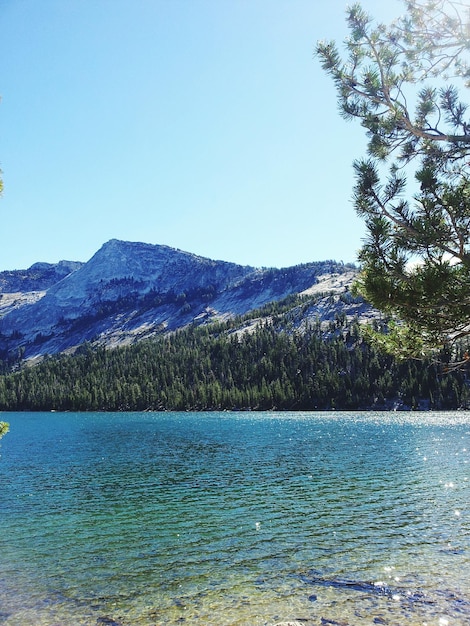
(246, 519)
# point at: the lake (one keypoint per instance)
(246, 519)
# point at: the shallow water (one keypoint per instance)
(235, 519)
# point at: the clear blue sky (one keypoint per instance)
(205, 125)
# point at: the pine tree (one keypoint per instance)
(395, 81)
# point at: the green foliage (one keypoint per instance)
(235, 365)
(4, 428)
(416, 258)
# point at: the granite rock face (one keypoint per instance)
(38, 277)
(128, 291)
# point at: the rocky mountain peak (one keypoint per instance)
(38, 277)
(131, 290)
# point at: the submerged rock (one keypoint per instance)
(355, 585)
(303, 622)
(107, 621)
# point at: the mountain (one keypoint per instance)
(129, 291)
(38, 277)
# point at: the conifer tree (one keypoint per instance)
(403, 83)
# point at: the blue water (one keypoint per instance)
(141, 519)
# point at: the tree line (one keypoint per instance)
(218, 367)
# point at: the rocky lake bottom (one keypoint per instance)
(236, 519)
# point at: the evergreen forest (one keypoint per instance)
(235, 366)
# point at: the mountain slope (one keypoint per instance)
(272, 358)
(128, 291)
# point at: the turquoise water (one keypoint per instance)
(235, 519)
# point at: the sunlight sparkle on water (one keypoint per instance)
(161, 530)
